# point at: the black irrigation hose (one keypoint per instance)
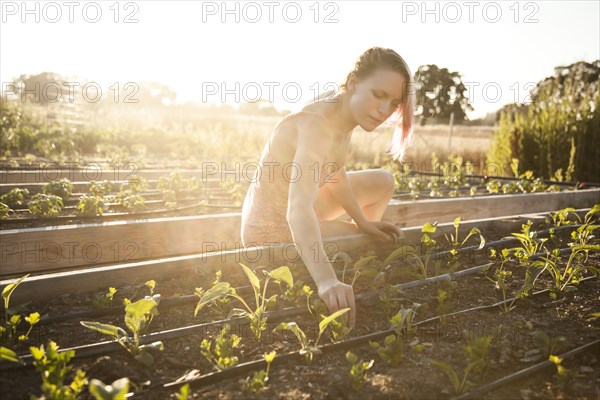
(187, 299)
(477, 393)
(508, 178)
(214, 377)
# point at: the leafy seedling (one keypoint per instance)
(308, 348)
(260, 378)
(138, 316)
(254, 315)
(53, 368)
(222, 355)
(12, 318)
(358, 370)
(115, 391)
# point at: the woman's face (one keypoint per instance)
(375, 99)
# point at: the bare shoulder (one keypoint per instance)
(313, 128)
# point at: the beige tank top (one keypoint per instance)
(266, 201)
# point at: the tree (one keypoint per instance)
(439, 93)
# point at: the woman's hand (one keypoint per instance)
(382, 229)
(337, 295)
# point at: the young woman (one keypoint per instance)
(300, 185)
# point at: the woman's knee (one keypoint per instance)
(387, 181)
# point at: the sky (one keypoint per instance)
(288, 52)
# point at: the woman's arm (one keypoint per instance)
(313, 144)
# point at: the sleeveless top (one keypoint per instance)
(266, 201)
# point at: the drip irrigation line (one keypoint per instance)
(507, 178)
(477, 393)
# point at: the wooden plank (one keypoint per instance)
(83, 187)
(69, 246)
(46, 286)
(95, 172)
(445, 210)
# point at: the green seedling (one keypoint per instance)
(458, 384)
(563, 374)
(222, 356)
(358, 266)
(408, 251)
(6, 211)
(339, 330)
(530, 243)
(477, 350)
(308, 348)
(9, 355)
(221, 305)
(572, 274)
(138, 316)
(549, 345)
(91, 205)
(151, 285)
(493, 186)
(62, 188)
(53, 367)
(299, 293)
(99, 189)
(132, 202)
(392, 349)
(14, 197)
(255, 316)
(12, 318)
(442, 306)
(561, 217)
(434, 185)
(115, 391)
(260, 378)
(105, 300)
(500, 276)
(184, 392)
(455, 243)
(358, 370)
(45, 205)
(134, 185)
(415, 185)
(390, 300)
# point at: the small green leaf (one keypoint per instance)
(33, 318)
(9, 289)
(269, 357)
(214, 293)
(429, 228)
(327, 320)
(135, 313)
(105, 329)
(116, 391)
(363, 262)
(283, 274)
(9, 355)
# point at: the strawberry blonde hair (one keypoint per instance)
(376, 58)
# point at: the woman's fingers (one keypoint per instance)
(333, 303)
(352, 312)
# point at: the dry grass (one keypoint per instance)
(469, 142)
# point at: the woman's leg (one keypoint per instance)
(372, 189)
